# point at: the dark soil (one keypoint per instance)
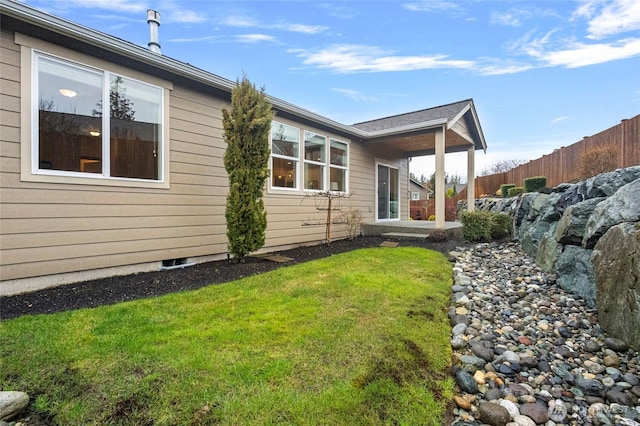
(106, 291)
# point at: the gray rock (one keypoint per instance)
(493, 393)
(632, 379)
(617, 274)
(493, 414)
(12, 403)
(591, 346)
(606, 184)
(575, 273)
(537, 411)
(548, 249)
(458, 342)
(482, 350)
(570, 229)
(471, 363)
(521, 420)
(590, 386)
(616, 344)
(459, 329)
(622, 206)
(620, 397)
(511, 407)
(466, 382)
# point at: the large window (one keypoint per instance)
(324, 165)
(91, 122)
(285, 143)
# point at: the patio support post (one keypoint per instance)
(471, 180)
(440, 190)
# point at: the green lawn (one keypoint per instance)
(356, 338)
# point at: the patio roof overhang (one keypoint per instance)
(461, 132)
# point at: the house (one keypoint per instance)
(420, 194)
(86, 194)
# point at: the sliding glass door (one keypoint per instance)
(388, 190)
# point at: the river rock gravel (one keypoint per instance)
(523, 344)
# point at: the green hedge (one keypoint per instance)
(504, 189)
(515, 191)
(485, 226)
(535, 183)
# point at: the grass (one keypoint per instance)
(357, 338)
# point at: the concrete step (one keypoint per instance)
(404, 236)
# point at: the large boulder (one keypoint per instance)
(534, 217)
(548, 250)
(606, 184)
(573, 221)
(622, 206)
(617, 270)
(575, 273)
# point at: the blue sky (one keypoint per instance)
(542, 74)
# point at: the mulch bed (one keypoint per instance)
(106, 291)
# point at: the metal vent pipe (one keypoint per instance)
(153, 19)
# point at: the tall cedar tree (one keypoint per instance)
(246, 132)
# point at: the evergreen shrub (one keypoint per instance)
(515, 191)
(535, 183)
(504, 189)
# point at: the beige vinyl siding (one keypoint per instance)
(51, 228)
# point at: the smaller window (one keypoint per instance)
(285, 143)
(339, 161)
(314, 161)
(415, 196)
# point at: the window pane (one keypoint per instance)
(314, 147)
(338, 153)
(394, 192)
(313, 176)
(135, 128)
(69, 123)
(338, 179)
(283, 173)
(284, 140)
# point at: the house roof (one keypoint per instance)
(436, 114)
(413, 126)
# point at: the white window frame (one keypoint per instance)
(296, 160)
(335, 166)
(105, 130)
(389, 166)
(307, 134)
(29, 171)
(300, 161)
(415, 196)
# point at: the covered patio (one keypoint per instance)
(435, 131)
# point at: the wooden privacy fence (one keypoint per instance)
(563, 165)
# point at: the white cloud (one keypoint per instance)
(355, 95)
(559, 119)
(338, 10)
(192, 40)
(580, 54)
(508, 19)
(432, 6)
(112, 5)
(183, 16)
(346, 58)
(254, 38)
(616, 17)
(248, 22)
